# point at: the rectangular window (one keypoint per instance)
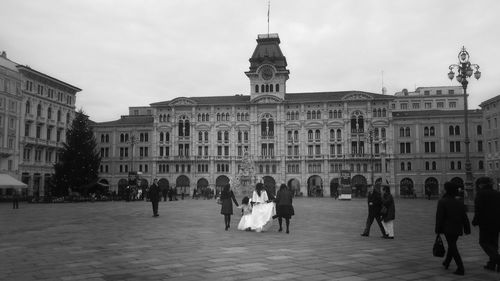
(439, 92)
(480, 146)
(415, 105)
(452, 104)
(428, 105)
(451, 92)
(427, 93)
(404, 106)
(440, 104)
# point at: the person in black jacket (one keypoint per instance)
(374, 207)
(227, 198)
(154, 196)
(284, 207)
(487, 217)
(452, 221)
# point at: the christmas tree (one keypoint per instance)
(77, 168)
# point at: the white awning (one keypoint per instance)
(6, 181)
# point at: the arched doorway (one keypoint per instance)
(270, 184)
(315, 186)
(433, 185)
(122, 186)
(294, 186)
(334, 187)
(182, 184)
(163, 185)
(406, 188)
(220, 182)
(359, 187)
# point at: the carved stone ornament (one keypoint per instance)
(182, 101)
(357, 96)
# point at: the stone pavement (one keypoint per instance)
(121, 241)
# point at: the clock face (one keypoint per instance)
(266, 73)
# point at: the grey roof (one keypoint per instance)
(143, 120)
(289, 98)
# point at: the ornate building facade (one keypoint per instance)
(302, 139)
(491, 119)
(35, 113)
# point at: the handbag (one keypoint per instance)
(438, 248)
(383, 211)
(219, 201)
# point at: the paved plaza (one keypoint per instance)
(122, 241)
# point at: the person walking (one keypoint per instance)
(374, 207)
(452, 221)
(486, 216)
(154, 197)
(284, 207)
(15, 199)
(227, 198)
(389, 214)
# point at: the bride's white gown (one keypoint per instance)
(262, 213)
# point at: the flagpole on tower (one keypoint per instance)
(268, 9)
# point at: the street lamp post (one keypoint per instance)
(369, 137)
(465, 70)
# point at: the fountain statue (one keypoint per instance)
(245, 180)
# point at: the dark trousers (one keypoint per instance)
(15, 204)
(369, 221)
(488, 240)
(452, 252)
(155, 207)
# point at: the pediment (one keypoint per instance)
(267, 99)
(182, 101)
(357, 96)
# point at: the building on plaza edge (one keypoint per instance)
(35, 112)
(302, 139)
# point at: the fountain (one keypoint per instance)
(245, 180)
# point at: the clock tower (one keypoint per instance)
(268, 72)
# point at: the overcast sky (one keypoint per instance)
(133, 53)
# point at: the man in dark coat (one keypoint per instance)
(487, 217)
(452, 221)
(154, 196)
(374, 207)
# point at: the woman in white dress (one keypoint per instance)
(263, 210)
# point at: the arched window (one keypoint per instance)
(200, 136)
(481, 165)
(308, 115)
(382, 133)
(28, 107)
(434, 165)
(161, 136)
(289, 136)
(318, 114)
(479, 130)
(267, 88)
(427, 166)
(407, 131)
(384, 113)
(206, 135)
(277, 87)
(426, 131)
(310, 135)
(240, 136)
(245, 136)
(68, 118)
(226, 136)
(379, 112)
(313, 115)
(218, 116)
(296, 136)
(374, 112)
(318, 135)
(167, 137)
(339, 134)
(332, 134)
(262, 88)
(181, 128)
(199, 117)
(39, 110)
(339, 114)
(431, 131)
(271, 88)
(457, 130)
(408, 166)
(288, 116)
(451, 130)
(452, 165)
(401, 132)
(256, 88)
(219, 136)
(49, 113)
(402, 166)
